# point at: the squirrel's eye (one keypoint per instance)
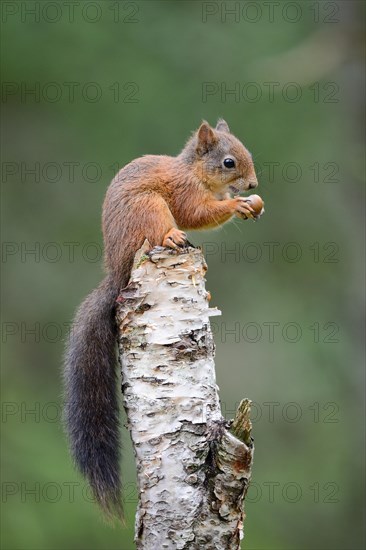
(229, 163)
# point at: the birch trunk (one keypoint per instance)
(193, 467)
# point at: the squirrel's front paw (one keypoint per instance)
(174, 238)
(243, 208)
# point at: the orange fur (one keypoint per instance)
(155, 194)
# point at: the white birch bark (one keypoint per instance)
(192, 471)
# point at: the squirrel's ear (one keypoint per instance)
(206, 138)
(222, 126)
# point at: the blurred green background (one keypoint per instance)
(113, 81)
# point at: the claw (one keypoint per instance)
(173, 238)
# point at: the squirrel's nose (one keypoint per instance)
(253, 184)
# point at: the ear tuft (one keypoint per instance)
(222, 126)
(206, 138)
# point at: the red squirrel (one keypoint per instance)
(156, 198)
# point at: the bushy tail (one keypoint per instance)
(91, 404)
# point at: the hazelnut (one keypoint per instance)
(257, 204)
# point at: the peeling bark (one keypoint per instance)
(193, 467)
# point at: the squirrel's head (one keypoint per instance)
(223, 163)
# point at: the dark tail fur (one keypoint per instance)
(91, 408)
